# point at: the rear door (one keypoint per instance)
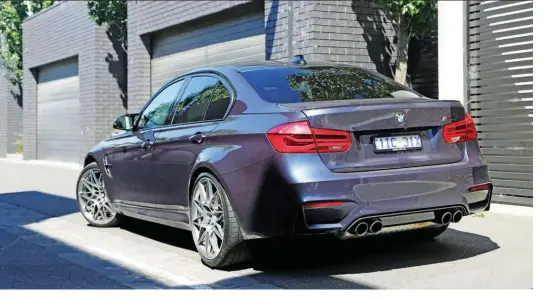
(197, 112)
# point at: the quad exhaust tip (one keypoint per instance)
(457, 216)
(446, 218)
(361, 228)
(374, 227)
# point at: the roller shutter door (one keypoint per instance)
(500, 77)
(226, 41)
(58, 112)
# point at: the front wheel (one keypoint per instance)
(94, 204)
(214, 225)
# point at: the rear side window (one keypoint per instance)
(309, 84)
(219, 101)
(205, 98)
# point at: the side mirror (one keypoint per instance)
(124, 122)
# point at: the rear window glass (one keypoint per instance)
(308, 84)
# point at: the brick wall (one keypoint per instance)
(423, 66)
(62, 31)
(355, 32)
(352, 32)
(277, 28)
(146, 17)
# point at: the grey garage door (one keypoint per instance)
(181, 49)
(58, 116)
(501, 93)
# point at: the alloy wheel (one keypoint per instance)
(207, 218)
(93, 197)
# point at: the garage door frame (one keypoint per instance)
(58, 135)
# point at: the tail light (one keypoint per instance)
(299, 137)
(323, 204)
(460, 131)
(480, 187)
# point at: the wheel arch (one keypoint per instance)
(89, 159)
(207, 168)
(204, 168)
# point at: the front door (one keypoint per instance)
(197, 113)
(125, 164)
(136, 159)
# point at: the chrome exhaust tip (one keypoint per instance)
(375, 226)
(457, 216)
(361, 228)
(446, 218)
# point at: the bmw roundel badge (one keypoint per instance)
(400, 117)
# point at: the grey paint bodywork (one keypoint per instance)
(267, 189)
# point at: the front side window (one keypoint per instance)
(156, 113)
(205, 98)
(311, 84)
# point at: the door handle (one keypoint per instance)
(197, 138)
(147, 145)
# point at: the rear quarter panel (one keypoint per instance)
(240, 141)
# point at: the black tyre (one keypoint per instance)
(215, 228)
(92, 199)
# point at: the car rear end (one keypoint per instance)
(370, 155)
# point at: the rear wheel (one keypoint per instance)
(92, 198)
(215, 228)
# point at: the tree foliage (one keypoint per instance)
(112, 13)
(12, 15)
(412, 18)
(339, 83)
(419, 17)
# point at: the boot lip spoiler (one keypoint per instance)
(301, 106)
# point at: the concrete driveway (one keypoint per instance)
(45, 243)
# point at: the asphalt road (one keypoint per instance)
(45, 243)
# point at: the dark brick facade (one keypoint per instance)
(354, 32)
(146, 17)
(337, 31)
(63, 31)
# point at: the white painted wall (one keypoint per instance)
(451, 50)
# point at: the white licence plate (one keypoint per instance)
(397, 143)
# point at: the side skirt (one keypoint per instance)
(169, 215)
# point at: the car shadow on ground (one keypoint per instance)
(297, 258)
(273, 260)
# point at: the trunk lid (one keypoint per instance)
(387, 133)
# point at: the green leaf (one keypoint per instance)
(111, 13)
(415, 18)
(12, 15)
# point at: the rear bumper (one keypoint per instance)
(270, 201)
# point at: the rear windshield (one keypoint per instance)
(308, 84)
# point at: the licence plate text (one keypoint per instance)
(397, 143)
